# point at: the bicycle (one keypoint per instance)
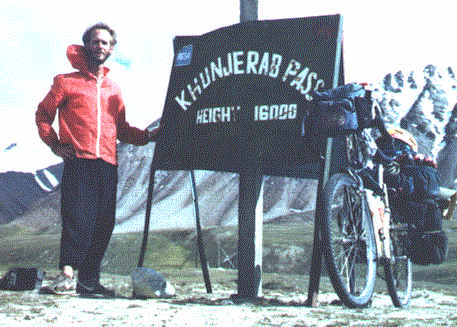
(358, 230)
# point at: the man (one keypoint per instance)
(91, 118)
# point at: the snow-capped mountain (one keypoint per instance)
(20, 190)
(421, 101)
(28, 172)
(424, 102)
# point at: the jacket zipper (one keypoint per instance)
(99, 116)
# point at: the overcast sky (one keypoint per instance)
(379, 37)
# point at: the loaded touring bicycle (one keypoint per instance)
(365, 222)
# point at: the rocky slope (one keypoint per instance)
(424, 102)
(20, 190)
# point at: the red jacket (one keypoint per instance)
(91, 112)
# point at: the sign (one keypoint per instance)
(248, 83)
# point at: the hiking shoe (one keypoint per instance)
(93, 290)
(62, 284)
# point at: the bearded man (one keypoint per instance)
(91, 119)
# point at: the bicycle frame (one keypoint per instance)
(382, 239)
(379, 208)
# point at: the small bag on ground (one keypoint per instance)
(22, 279)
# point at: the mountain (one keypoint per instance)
(424, 103)
(421, 101)
(20, 190)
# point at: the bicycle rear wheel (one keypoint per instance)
(398, 269)
(348, 241)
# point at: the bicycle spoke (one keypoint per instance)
(350, 211)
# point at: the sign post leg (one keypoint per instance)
(250, 235)
(201, 247)
(147, 217)
(250, 222)
(316, 263)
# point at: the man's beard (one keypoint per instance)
(93, 60)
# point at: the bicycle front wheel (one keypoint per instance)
(348, 241)
(398, 269)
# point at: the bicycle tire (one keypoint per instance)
(398, 269)
(348, 241)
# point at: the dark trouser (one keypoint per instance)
(88, 213)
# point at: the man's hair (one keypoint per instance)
(99, 26)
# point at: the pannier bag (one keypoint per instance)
(417, 182)
(425, 181)
(347, 91)
(427, 248)
(22, 279)
(428, 243)
(338, 111)
(416, 204)
(333, 117)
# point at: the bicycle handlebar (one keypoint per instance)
(378, 122)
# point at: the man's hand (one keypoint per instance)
(153, 135)
(65, 151)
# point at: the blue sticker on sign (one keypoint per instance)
(184, 56)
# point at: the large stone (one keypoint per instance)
(148, 283)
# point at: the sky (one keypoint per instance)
(379, 37)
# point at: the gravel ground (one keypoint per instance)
(193, 307)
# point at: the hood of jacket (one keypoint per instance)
(78, 57)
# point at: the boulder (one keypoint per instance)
(148, 283)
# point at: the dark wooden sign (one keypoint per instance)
(250, 82)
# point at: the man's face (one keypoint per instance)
(100, 46)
